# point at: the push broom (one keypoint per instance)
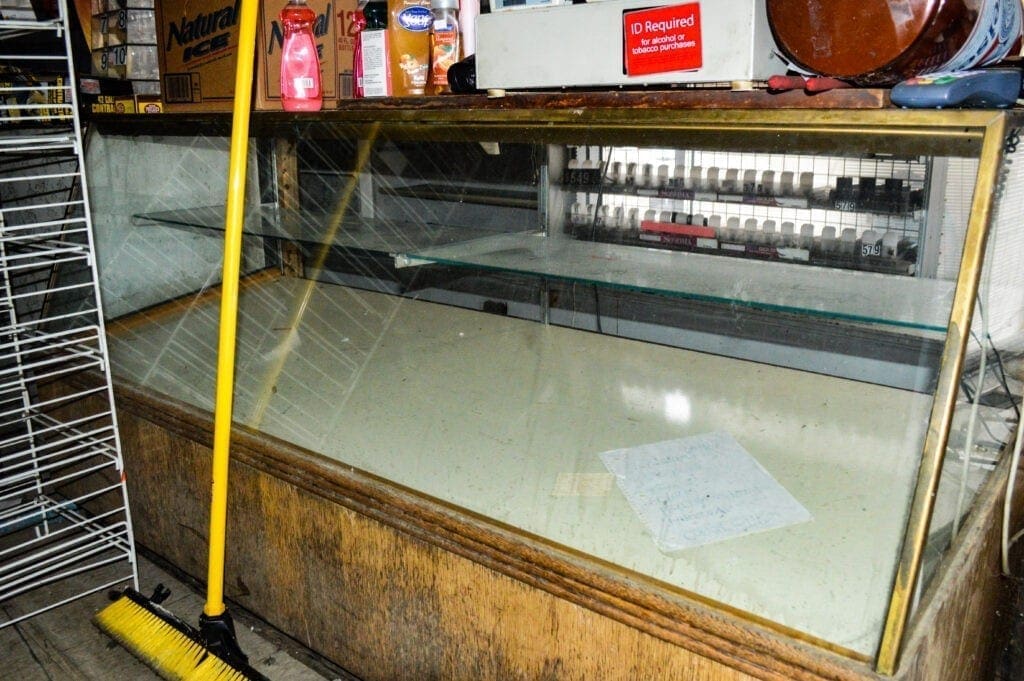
(173, 648)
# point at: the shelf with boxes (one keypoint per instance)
(123, 39)
(199, 46)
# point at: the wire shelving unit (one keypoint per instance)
(65, 528)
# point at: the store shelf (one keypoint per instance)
(856, 296)
(64, 542)
(818, 198)
(384, 236)
(464, 193)
(863, 297)
(48, 356)
(60, 452)
(63, 503)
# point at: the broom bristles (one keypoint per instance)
(161, 644)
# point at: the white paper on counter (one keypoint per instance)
(701, 489)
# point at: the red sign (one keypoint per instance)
(662, 39)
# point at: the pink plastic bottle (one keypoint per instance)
(300, 66)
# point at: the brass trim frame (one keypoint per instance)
(552, 120)
(908, 569)
(900, 133)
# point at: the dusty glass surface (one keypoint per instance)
(987, 408)
(480, 322)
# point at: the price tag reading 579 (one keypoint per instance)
(662, 39)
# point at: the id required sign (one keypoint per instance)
(662, 39)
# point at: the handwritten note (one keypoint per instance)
(701, 489)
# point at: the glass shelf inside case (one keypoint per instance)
(318, 227)
(841, 294)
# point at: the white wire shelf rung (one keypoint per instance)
(31, 458)
(42, 242)
(43, 436)
(44, 231)
(36, 262)
(70, 569)
(58, 529)
(55, 109)
(122, 579)
(29, 341)
(33, 57)
(12, 210)
(51, 290)
(47, 118)
(83, 362)
(45, 469)
(91, 312)
(40, 427)
(45, 246)
(19, 505)
(72, 553)
(89, 548)
(13, 410)
(47, 25)
(36, 513)
(21, 145)
(37, 178)
(55, 363)
(23, 236)
(39, 87)
(28, 487)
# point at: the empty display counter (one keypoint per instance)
(585, 391)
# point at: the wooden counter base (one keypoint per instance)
(392, 585)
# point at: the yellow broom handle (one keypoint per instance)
(229, 306)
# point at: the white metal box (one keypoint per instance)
(590, 44)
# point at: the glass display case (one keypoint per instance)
(759, 363)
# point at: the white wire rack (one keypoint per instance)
(65, 529)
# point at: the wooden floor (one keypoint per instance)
(64, 644)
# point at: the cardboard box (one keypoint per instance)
(106, 95)
(35, 91)
(112, 104)
(199, 49)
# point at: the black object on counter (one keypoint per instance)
(462, 76)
